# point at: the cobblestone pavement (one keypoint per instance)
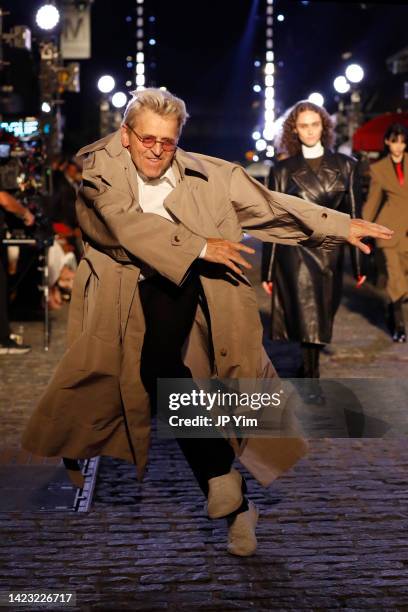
(332, 533)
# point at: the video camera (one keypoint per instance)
(22, 174)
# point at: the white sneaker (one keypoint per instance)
(241, 534)
(10, 347)
(224, 494)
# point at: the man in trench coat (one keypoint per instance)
(162, 266)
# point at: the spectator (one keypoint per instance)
(9, 204)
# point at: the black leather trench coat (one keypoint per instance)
(307, 282)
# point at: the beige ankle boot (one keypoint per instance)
(224, 494)
(241, 534)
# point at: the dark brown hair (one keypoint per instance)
(288, 141)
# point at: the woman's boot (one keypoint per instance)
(311, 391)
(399, 333)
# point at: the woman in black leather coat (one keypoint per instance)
(306, 283)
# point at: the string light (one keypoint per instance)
(140, 68)
(268, 131)
(265, 134)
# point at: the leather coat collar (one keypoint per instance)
(316, 184)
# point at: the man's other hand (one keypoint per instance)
(363, 229)
(227, 253)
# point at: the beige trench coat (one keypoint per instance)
(95, 404)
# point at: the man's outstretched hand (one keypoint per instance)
(363, 229)
(228, 253)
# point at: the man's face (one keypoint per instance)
(309, 128)
(154, 162)
(397, 146)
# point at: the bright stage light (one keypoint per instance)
(45, 107)
(47, 17)
(316, 98)
(260, 144)
(256, 135)
(140, 68)
(341, 85)
(354, 73)
(268, 133)
(119, 99)
(106, 83)
(140, 79)
(281, 17)
(257, 88)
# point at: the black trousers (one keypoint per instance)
(169, 314)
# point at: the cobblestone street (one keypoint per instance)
(332, 531)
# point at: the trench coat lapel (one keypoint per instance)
(131, 177)
(184, 205)
(115, 148)
(184, 202)
(128, 285)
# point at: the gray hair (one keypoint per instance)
(159, 101)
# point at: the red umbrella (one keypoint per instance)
(370, 135)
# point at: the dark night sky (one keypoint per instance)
(205, 53)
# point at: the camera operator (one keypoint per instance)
(9, 204)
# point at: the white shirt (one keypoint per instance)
(153, 192)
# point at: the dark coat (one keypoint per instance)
(307, 282)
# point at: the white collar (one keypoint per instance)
(313, 152)
(168, 176)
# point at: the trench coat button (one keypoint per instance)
(223, 352)
(324, 215)
(176, 238)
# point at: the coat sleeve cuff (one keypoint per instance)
(333, 229)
